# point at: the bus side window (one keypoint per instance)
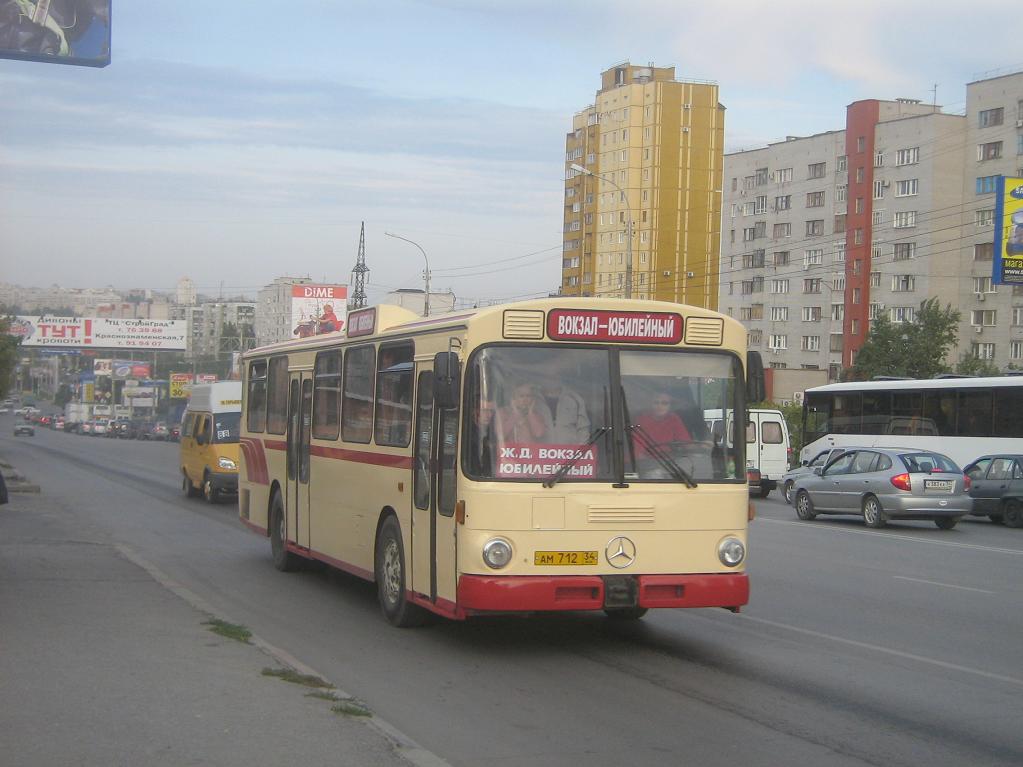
(327, 395)
(256, 402)
(357, 405)
(277, 396)
(394, 396)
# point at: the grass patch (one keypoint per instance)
(350, 708)
(290, 675)
(321, 695)
(229, 630)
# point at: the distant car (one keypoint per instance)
(159, 431)
(24, 428)
(4, 409)
(58, 423)
(99, 427)
(175, 433)
(997, 488)
(820, 460)
(86, 427)
(880, 484)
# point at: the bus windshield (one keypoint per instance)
(535, 409)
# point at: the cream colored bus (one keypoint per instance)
(538, 456)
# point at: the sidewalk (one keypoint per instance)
(105, 662)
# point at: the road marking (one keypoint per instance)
(886, 651)
(945, 585)
(892, 536)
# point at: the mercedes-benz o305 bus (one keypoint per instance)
(537, 456)
(962, 418)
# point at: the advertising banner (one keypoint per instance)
(1008, 247)
(318, 309)
(128, 369)
(101, 333)
(205, 378)
(139, 396)
(180, 385)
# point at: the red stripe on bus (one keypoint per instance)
(255, 461)
(253, 527)
(275, 444)
(360, 456)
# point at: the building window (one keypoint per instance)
(983, 317)
(983, 285)
(810, 343)
(781, 258)
(907, 188)
(879, 189)
(779, 286)
(761, 205)
(815, 200)
(873, 311)
(815, 228)
(901, 283)
(988, 118)
(983, 217)
(812, 314)
(877, 217)
(841, 164)
(841, 192)
(779, 314)
(812, 285)
(813, 257)
(816, 170)
(901, 314)
(909, 156)
(754, 338)
(861, 143)
(840, 223)
(777, 341)
(854, 327)
(761, 174)
(984, 351)
(1017, 315)
(878, 158)
(905, 220)
(992, 150)
(858, 205)
(1016, 350)
(856, 295)
(782, 230)
(983, 251)
(875, 279)
(837, 312)
(986, 184)
(838, 283)
(783, 174)
(875, 249)
(860, 175)
(753, 260)
(839, 252)
(836, 342)
(783, 203)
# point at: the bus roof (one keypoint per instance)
(922, 384)
(396, 320)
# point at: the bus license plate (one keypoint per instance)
(940, 485)
(564, 558)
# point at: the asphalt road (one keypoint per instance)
(892, 647)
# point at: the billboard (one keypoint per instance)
(1007, 268)
(100, 332)
(180, 385)
(317, 309)
(56, 31)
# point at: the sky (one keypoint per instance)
(233, 143)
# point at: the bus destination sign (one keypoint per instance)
(614, 327)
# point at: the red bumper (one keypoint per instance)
(483, 593)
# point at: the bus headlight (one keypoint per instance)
(227, 463)
(731, 552)
(497, 553)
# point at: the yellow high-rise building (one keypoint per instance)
(649, 153)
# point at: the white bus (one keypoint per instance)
(538, 456)
(962, 418)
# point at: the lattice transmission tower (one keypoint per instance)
(358, 298)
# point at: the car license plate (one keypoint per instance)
(564, 558)
(940, 485)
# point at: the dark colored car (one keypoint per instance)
(997, 488)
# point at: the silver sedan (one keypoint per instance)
(886, 483)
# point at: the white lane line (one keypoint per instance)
(886, 651)
(944, 585)
(891, 536)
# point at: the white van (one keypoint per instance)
(768, 448)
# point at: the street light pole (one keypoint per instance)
(628, 227)
(426, 274)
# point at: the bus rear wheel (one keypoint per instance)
(284, 560)
(391, 579)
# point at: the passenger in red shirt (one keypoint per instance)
(661, 425)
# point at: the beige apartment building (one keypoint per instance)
(645, 159)
(825, 233)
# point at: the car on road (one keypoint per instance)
(23, 427)
(159, 431)
(880, 484)
(4, 410)
(58, 423)
(99, 427)
(820, 460)
(996, 486)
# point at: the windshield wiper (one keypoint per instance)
(577, 456)
(663, 458)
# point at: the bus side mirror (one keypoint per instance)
(756, 389)
(446, 375)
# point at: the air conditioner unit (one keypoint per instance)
(666, 273)
(1019, 123)
(685, 129)
(886, 184)
(687, 105)
(980, 297)
(978, 330)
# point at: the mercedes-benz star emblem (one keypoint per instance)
(620, 552)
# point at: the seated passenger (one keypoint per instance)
(524, 419)
(660, 425)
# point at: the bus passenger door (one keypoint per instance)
(296, 503)
(434, 466)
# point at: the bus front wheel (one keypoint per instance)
(284, 560)
(391, 579)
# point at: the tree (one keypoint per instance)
(970, 365)
(916, 349)
(8, 354)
